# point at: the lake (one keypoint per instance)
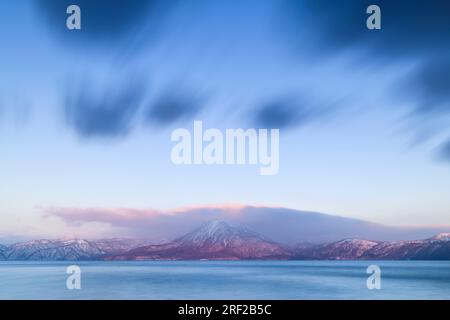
(225, 280)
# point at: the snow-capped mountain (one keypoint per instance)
(63, 249)
(2, 250)
(220, 241)
(340, 250)
(435, 248)
(445, 236)
(214, 240)
(53, 250)
(118, 245)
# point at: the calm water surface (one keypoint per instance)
(226, 280)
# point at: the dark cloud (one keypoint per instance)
(286, 113)
(100, 18)
(408, 28)
(104, 21)
(107, 112)
(426, 89)
(444, 151)
(419, 31)
(412, 32)
(431, 84)
(174, 105)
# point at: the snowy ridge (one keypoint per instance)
(2, 251)
(341, 250)
(435, 248)
(444, 236)
(65, 249)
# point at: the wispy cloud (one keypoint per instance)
(288, 112)
(431, 84)
(107, 111)
(104, 22)
(415, 35)
(407, 30)
(172, 105)
(443, 151)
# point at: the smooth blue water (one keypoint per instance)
(226, 280)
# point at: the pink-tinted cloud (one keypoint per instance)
(146, 223)
(279, 224)
(110, 215)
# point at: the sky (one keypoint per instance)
(86, 115)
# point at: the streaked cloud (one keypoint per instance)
(288, 112)
(412, 34)
(431, 84)
(172, 105)
(408, 30)
(104, 111)
(104, 22)
(443, 151)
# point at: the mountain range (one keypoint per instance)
(218, 240)
(435, 248)
(66, 249)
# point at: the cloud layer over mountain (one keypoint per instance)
(280, 224)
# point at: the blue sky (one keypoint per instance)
(374, 146)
